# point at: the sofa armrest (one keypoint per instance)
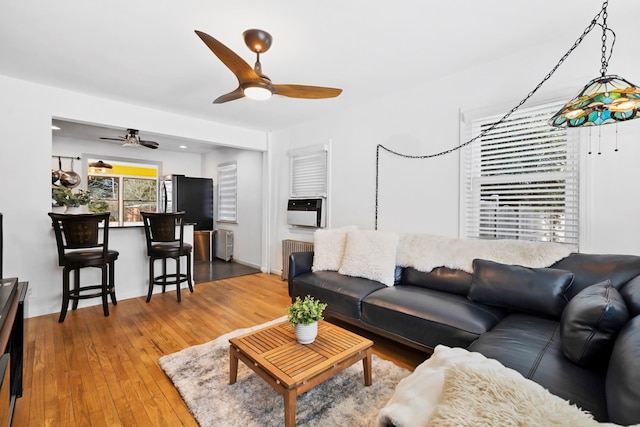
(299, 263)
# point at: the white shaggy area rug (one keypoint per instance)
(201, 375)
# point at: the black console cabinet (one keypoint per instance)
(12, 297)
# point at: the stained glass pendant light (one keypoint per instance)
(605, 99)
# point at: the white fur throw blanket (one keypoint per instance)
(456, 387)
(424, 252)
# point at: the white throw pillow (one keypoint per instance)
(370, 254)
(328, 248)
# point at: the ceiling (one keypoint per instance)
(145, 52)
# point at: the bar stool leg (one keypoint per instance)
(178, 281)
(164, 275)
(105, 291)
(76, 287)
(65, 294)
(151, 279)
(189, 281)
(112, 283)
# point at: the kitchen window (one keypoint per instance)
(125, 190)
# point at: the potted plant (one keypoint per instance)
(58, 197)
(304, 315)
(65, 197)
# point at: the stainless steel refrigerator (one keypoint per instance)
(194, 196)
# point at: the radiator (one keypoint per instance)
(289, 247)
(224, 244)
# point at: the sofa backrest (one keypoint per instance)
(440, 279)
(590, 269)
(631, 294)
(623, 271)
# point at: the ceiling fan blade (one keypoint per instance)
(149, 144)
(236, 94)
(310, 92)
(113, 139)
(237, 65)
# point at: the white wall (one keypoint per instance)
(247, 232)
(421, 119)
(26, 110)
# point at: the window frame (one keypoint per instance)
(227, 192)
(309, 172)
(524, 223)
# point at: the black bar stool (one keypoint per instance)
(165, 239)
(83, 241)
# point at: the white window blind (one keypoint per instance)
(520, 181)
(227, 192)
(309, 171)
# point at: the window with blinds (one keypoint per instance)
(308, 168)
(227, 192)
(520, 180)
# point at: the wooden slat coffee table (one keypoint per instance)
(292, 368)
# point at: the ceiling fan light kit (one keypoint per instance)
(252, 82)
(257, 91)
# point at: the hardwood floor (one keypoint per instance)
(93, 370)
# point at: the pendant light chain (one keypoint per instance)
(587, 30)
(604, 61)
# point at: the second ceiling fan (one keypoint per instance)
(252, 83)
(132, 139)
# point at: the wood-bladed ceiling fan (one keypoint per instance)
(252, 83)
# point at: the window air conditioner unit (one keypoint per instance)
(306, 212)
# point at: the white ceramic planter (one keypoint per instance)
(82, 209)
(306, 334)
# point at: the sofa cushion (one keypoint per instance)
(531, 345)
(428, 317)
(623, 376)
(343, 294)
(370, 254)
(527, 290)
(590, 323)
(328, 247)
(439, 279)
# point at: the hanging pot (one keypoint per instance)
(70, 179)
(56, 174)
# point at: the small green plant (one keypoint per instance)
(98, 206)
(305, 311)
(65, 197)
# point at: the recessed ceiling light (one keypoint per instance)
(182, 146)
(54, 127)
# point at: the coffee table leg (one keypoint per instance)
(366, 367)
(233, 365)
(289, 408)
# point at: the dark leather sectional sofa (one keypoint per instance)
(574, 328)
